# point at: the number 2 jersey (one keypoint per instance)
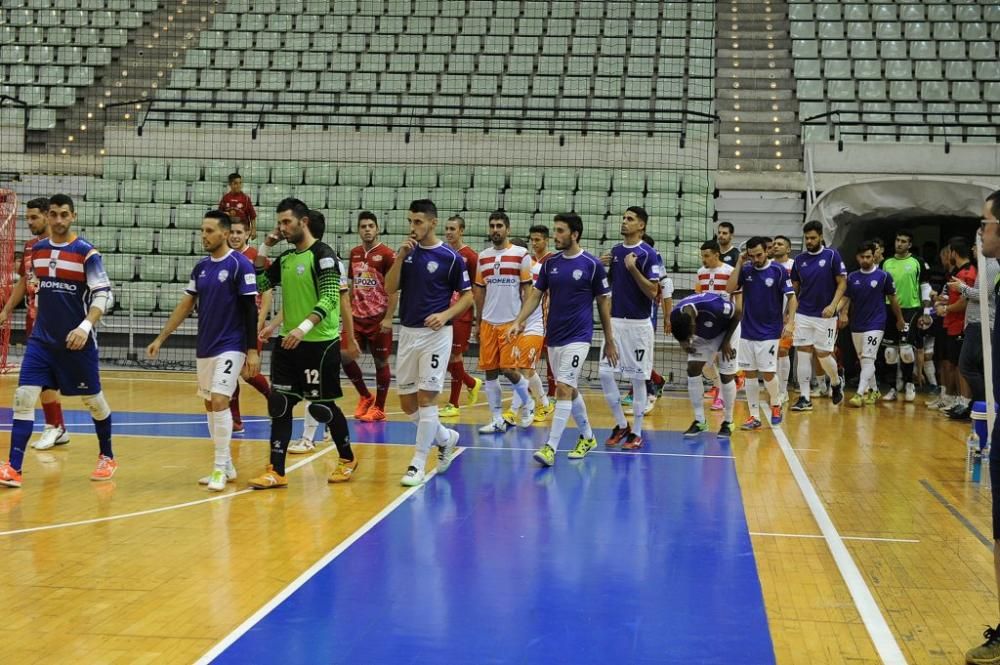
(68, 275)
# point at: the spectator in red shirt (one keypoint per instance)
(952, 309)
(238, 205)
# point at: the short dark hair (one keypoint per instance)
(502, 216)
(680, 325)
(62, 200)
(234, 176)
(233, 221)
(727, 225)
(640, 212)
(41, 203)
(905, 233)
(317, 224)
(459, 220)
(757, 241)
(994, 201)
(787, 240)
(367, 214)
(712, 246)
(424, 207)
(812, 226)
(573, 221)
(518, 242)
(222, 218)
(539, 228)
(960, 246)
(866, 246)
(878, 242)
(294, 205)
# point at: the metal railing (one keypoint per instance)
(946, 127)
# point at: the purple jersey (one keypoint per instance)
(714, 314)
(628, 300)
(429, 276)
(764, 292)
(573, 284)
(867, 292)
(68, 275)
(218, 285)
(817, 275)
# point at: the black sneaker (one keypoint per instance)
(838, 393)
(697, 427)
(988, 651)
(961, 413)
(804, 404)
(726, 430)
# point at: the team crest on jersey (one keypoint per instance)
(52, 264)
(769, 281)
(577, 274)
(874, 283)
(300, 269)
(432, 266)
(709, 324)
(223, 275)
(822, 262)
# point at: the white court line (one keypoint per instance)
(285, 593)
(878, 629)
(162, 509)
(817, 535)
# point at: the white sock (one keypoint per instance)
(427, 427)
(211, 424)
(773, 390)
(309, 425)
(611, 395)
(559, 418)
(696, 395)
(752, 389)
(494, 397)
(867, 375)
(784, 369)
(639, 404)
(222, 435)
(803, 371)
(930, 372)
(728, 393)
(522, 394)
(580, 416)
(829, 365)
(538, 390)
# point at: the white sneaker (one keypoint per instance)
(527, 415)
(302, 447)
(445, 452)
(230, 476)
(947, 402)
(911, 392)
(412, 477)
(51, 436)
(217, 481)
(890, 396)
(935, 403)
(650, 403)
(494, 428)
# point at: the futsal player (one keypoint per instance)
(913, 291)
(707, 326)
(224, 286)
(529, 347)
(712, 277)
(538, 237)
(373, 310)
(634, 274)
(503, 273)
(820, 279)
(305, 362)
(768, 308)
(426, 273)
(36, 214)
(237, 204)
(574, 279)
(724, 236)
(461, 327)
(864, 309)
(73, 294)
(781, 249)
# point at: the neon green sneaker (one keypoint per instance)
(583, 446)
(509, 417)
(448, 411)
(873, 397)
(857, 401)
(545, 455)
(474, 391)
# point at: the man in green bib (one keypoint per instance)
(305, 361)
(914, 293)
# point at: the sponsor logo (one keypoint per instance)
(365, 282)
(432, 266)
(555, 270)
(504, 279)
(57, 286)
(250, 279)
(203, 274)
(223, 275)
(377, 257)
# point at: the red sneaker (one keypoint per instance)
(617, 434)
(364, 404)
(632, 442)
(373, 414)
(712, 393)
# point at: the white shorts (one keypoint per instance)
(422, 359)
(867, 343)
(220, 374)
(819, 333)
(707, 351)
(634, 341)
(567, 361)
(759, 355)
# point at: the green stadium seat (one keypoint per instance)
(286, 173)
(176, 241)
(455, 176)
(105, 240)
(482, 198)
(190, 216)
(590, 203)
(118, 168)
(139, 242)
(320, 174)
(344, 198)
(168, 191)
(137, 297)
(153, 216)
(119, 215)
(594, 180)
(420, 177)
(354, 175)
(448, 199)
(120, 267)
(207, 193)
(102, 190)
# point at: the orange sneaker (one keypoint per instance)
(268, 480)
(374, 414)
(364, 404)
(9, 476)
(712, 393)
(106, 468)
(345, 469)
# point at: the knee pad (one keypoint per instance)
(907, 354)
(97, 405)
(24, 402)
(891, 355)
(321, 412)
(277, 405)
